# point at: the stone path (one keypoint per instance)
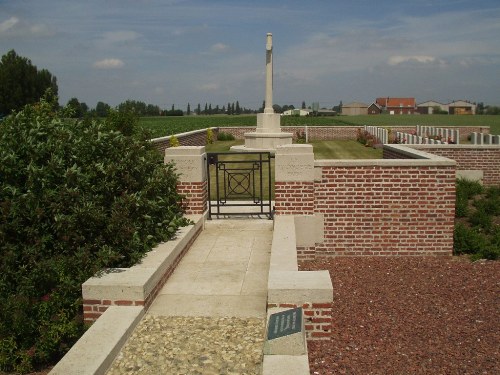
(210, 316)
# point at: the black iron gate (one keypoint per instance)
(239, 184)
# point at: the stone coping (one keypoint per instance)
(455, 146)
(180, 135)
(95, 351)
(419, 159)
(286, 284)
(137, 282)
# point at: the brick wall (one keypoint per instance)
(317, 318)
(196, 196)
(386, 210)
(294, 198)
(468, 157)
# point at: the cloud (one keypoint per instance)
(109, 64)
(209, 87)
(396, 60)
(219, 47)
(120, 36)
(17, 28)
(8, 24)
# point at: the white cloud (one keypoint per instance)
(396, 60)
(120, 36)
(109, 64)
(8, 24)
(209, 87)
(219, 47)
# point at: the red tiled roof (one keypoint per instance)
(396, 102)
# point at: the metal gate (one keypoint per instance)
(239, 184)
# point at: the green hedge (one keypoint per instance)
(75, 197)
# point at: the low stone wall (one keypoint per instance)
(290, 288)
(138, 285)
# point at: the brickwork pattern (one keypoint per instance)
(294, 198)
(196, 196)
(397, 210)
(318, 318)
(94, 308)
(485, 159)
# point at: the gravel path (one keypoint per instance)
(411, 316)
(186, 345)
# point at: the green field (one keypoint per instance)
(162, 126)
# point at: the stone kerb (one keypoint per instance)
(290, 288)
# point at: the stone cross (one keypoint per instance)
(269, 74)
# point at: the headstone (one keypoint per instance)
(488, 139)
(496, 140)
(285, 333)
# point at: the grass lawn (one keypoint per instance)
(344, 150)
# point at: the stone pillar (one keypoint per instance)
(190, 164)
(269, 74)
(294, 180)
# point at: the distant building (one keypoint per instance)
(397, 106)
(374, 109)
(457, 107)
(428, 107)
(461, 107)
(296, 112)
(355, 108)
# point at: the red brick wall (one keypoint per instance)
(196, 196)
(379, 210)
(483, 158)
(293, 198)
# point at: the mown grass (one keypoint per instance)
(344, 150)
(163, 126)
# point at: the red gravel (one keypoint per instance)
(410, 316)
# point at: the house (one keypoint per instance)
(374, 109)
(461, 107)
(397, 106)
(428, 107)
(355, 108)
(296, 112)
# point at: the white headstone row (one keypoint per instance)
(413, 139)
(381, 134)
(443, 134)
(485, 139)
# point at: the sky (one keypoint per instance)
(174, 52)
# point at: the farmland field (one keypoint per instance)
(163, 126)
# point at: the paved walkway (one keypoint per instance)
(210, 316)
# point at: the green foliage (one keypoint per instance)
(173, 141)
(22, 83)
(122, 121)
(210, 136)
(75, 197)
(479, 209)
(222, 136)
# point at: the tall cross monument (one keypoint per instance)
(268, 133)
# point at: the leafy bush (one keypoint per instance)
(75, 197)
(476, 233)
(173, 141)
(210, 136)
(222, 136)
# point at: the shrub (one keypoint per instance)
(75, 197)
(221, 136)
(173, 141)
(210, 136)
(300, 137)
